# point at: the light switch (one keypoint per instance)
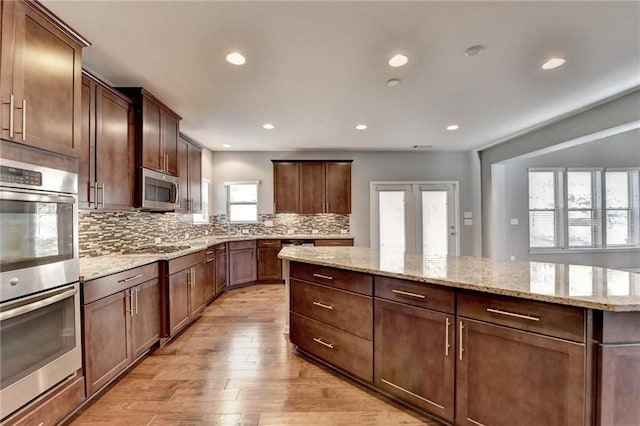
(468, 215)
(514, 220)
(468, 222)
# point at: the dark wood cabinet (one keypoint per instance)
(41, 103)
(269, 266)
(185, 291)
(210, 274)
(106, 145)
(331, 314)
(311, 187)
(334, 242)
(242, 263)
(190, 174)
(221, 267)
(156, 131)
(286, 184)
(507, 376)
(414, 352)
(106, 339)
(121, 319)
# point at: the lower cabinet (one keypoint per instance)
(415, 356)
(185, 291)
(121, 326)
(220, 267)
(269, 266)
(242, 263)
(210, 275)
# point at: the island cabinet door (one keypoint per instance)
(145, 320)
(414, 356)
(511, 377)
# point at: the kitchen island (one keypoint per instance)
(473, 341)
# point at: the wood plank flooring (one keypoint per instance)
(234, 366)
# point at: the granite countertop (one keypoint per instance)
(100, 266)
(574, 285)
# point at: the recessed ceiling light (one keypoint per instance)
(473, 50)
(268, 126)
(236, 58)
(398, 60)
(553, 63)
(453, 127)
(226, 145)
(393, 82)
(361, 127)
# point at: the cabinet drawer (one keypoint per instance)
(416, 294)
(346, 280)
(240, 245)
(187, 261)
(346, 242)
(564, 322)
(347, 311)
(220, 248)
(210, 253)
(269, 243)
(54, 406)
(111, 284)
(346, 351)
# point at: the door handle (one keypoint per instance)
(11, 104)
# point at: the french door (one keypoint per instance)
(415, 217)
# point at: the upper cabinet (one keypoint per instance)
(40, 78)
(190, 174)
(157, 129)
(310, 187)
(106, 145)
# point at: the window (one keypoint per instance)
(544, 208)
(242, 201)
(594, 209)
(204, 216)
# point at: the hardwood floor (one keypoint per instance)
(235, 366)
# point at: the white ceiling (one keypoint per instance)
(316, 69)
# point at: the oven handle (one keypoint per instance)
(30, 196)
(30, 307)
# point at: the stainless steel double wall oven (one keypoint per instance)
(39, 291)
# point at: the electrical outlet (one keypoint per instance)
(245, 231)
(513, 258)
(268, 223)
(514, 221)
(314, 231)
(290, 231)
(186, 235)
(157, 240)
(344, 231)
(206, 232)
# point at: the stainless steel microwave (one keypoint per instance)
(160, 191)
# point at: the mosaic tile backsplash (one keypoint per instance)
(113, 232)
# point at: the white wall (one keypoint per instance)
(366, 167)
(599, 137)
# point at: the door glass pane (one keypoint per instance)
(542, 229)
(580, 228)
(579, 190)
(617, 190)
(542, 190)
(392, 226)
(435, 232)
(618, 227)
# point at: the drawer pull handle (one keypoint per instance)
(326, 277)
(408, 293)
(512, 314)
(322, 305)
(323, 343)
(210, 260)
(126, 280)
(460, 334)
(208, 252)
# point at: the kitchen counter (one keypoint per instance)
(548, 282)
(100, 266)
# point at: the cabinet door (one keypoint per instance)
(145, 324)
(414, 356)
(312, 188)
(269, 266)
(152, 153)
(179, 287)
(47, 98)
(106, 341)
(210, 279)
(195, 179)
(198, 279)
(183, 175)
(7, 48)
(507, 377)
(114, 151)
(221, 268)
(338, 187)
(286, 187)
(619, 387)
(242, 266)
(86, 153)
(170, 129)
